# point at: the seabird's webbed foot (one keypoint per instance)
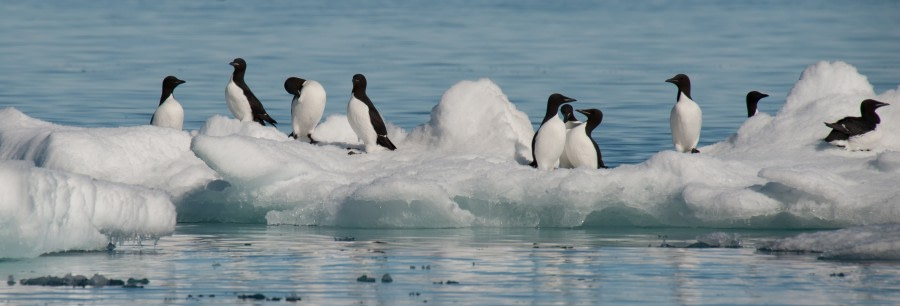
(694, 151)
(292, 135)
(311, 140)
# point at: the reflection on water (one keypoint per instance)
(491, 266)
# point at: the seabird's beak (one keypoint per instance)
(672, 80)
(567, 99)
(762, 95)
(880, 104)
(179, 82)
(583, 112)
(233, 64)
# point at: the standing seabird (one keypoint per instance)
(242, 103)
(686, 117)
(306, 107)
(550, 138)
(364, 118)
(581, 148)
(169, 113)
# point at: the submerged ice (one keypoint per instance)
(467, 166)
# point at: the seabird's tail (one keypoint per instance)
(533, 164)
(385, 142)
(838, 132)
(263, 118)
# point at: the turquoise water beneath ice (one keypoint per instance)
(100, 64)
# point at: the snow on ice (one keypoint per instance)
(466, 167)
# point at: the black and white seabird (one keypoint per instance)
(686, 117)
(364, 118)
(306, 107)
(851, 126)
(169, 113)
(753, 98)
(241, 101)
(581, 148)
(571, 121)
(550, 138)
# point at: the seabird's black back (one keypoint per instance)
(851, 126)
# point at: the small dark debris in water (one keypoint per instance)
(378, 251)
(473, 263)
(365, 279)
(426, 267)
(783, 251)
(200, 295)
(437, 283)
(274, 299)
(216, 265)
(666, 245)
(841, 274)
(535, 246)
(248, 244)
(414, 294)
(142, 281)
(110, 247)
(257, 296)
(379, 242)
(386, 278)
(212, 295)
(292, 298)
(452, 282)
(10, 280)
(80, 281)
(410, 267)
(348, 238)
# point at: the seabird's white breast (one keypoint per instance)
(237, 102)
(549, 143)
(685, 122)
(169, 114)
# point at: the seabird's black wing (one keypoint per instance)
(533, 158)
(378, 125)
(256, 108)
(600, 163)
(847, 127)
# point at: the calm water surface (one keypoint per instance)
(492, 266)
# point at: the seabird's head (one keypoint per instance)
(239, 64)
(170, 82)
(294, 85)
(871, 105)
(568, 113)
(594, 115)
(752, 101)
(359, 82)
(558, 99)
(683, 82)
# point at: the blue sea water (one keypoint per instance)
(100, 64)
